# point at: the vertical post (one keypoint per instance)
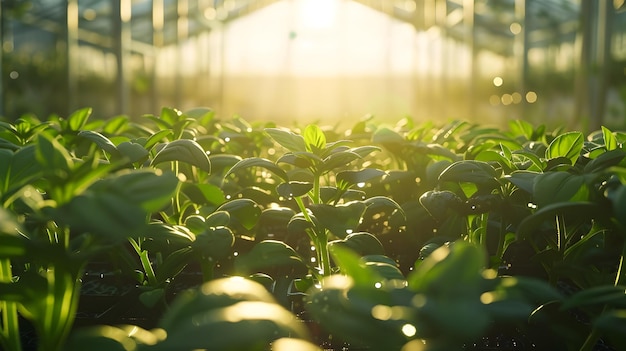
(591, 82)
(71, 48)
(158, 19)
(121, 16)
(520, 50)
(182, 33)
(441, 98)
(470, 43)
(1, 58)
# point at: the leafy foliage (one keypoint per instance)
(411, 236)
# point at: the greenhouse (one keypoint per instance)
(318, 60)
(312, 175)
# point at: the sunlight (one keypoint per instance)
(317, 14)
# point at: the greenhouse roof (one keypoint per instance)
(495, 21)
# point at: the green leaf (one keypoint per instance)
(110, 338)
(150, 298)
(387, 137)
(566, 145)
(103, 142)
(347, 179)
(115, 125)
(338, 159)
(184, 150)
(149, 189)
(618, 201)
(610, 142)
(157, 137)
(132, 151)
(52, 155)
(470, 171)
(270, 254)
(537, 164)
(605, 160)
(258, 162)
(314, 138)
(77, 119)
(287, 139)
(293, 189)
(440, 203)
(459, 265)
(244, 211)
(350, 264)
(611, 295)
(169, 233)
(378, 204)
(553, 187)
(579, 210)
(215, 242)
(522, 128)
(291, 344)
(222, 163)
(361, 243)
(217, 219)
(342, 219)
(18, 169)
(524, 180)
(108, 215)
(203, 194)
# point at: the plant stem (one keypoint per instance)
(10, 326)
(319, 239)
(207, 266)
(594, 335)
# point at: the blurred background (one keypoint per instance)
(557, 62)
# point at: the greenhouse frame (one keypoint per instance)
(557, 60)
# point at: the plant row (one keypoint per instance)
(251, 236)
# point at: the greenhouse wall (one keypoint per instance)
(331, 60)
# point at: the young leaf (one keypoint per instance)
(341, 220)
(267, 254)
(103, 142)
(293, 189)
(351, 265)
(287, 139)
(151, 190)
(314, 138)
(614, 296)
(184, 150)
(566, 145)
(132, 151)
(244, 211)
(258, 162)
(78, 118)
(347, 179)
(52, 155)
(552, 187)
(470, 171)
(214, 242)
(361, 243)
(610, 142)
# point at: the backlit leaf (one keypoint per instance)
(566, 145)
(287, 139)
(184, 150)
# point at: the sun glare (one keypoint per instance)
(317, 14)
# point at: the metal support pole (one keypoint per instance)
(2, 112)
(520, 50)
(470, 42)
(121, 16)
(591, 82)
(71, 47)
(182, 34)
(158, 19)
